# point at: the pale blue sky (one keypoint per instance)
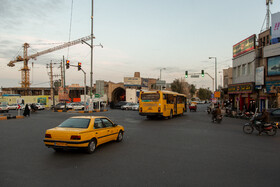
(137, 35)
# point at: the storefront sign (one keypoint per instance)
(260, 76)
(145, 82)
(244, 46)
(132, 81)
(273, 66)
(272, 86)
(240, 88)
(275, 28)
(217, 94)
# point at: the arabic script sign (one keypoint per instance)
(241, 88)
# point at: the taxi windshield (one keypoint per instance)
(75, 123)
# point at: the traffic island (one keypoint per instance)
(3, 117)
(11, 117)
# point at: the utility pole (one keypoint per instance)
(91, 46)
(52, 88)
(61, 74)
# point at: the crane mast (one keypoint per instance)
(25, 78)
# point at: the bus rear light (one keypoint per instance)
(74, 137)
(158, 109)
(48, 136)
(141, 109)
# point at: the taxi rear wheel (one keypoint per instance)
(120, 136)
(91, 146)
(57, 149)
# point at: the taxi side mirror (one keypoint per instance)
(115, 124)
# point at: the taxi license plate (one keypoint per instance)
(59, 144)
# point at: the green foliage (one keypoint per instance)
(177, 86)
(204, 94)
(180, 86)
(192, 89)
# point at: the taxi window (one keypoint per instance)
(98, 123)
(75, 123)
(107, 123)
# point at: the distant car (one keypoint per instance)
(127, 106)
(4, 108)
(40, 106)
(60, 106)
(86, 132)
(274, 114)
(77, 106)
(135, 107)
(120, 104)
(13, 106)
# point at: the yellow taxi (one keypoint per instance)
(83, 132)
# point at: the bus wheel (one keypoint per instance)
(171, 114)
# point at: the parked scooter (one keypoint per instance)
(269, 128)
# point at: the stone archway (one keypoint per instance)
(118, 95)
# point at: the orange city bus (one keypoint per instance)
(161, 103)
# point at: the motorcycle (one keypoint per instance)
(218, 119)
(269, 128)
(208, 110)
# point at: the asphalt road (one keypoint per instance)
(185, 151)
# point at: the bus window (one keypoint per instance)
(170, 99)
(150, 97)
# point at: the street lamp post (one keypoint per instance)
(160, 76)
(91, 48)
(215, 71)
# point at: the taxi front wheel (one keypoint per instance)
(120, 136)
(91, 146)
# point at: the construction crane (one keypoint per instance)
(25, 79)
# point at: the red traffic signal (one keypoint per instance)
(79, 66)
(67, 64)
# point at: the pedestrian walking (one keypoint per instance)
(26, 111)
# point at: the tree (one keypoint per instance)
(192, 89)
(204, 94)
(180, 86)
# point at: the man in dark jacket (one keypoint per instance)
(264, 119)
(217, 111)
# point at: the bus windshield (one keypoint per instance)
(150, 97)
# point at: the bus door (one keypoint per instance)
(175, 105)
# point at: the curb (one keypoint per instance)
(11, 117)
(3, 117)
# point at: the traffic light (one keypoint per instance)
(79, 66)
(186, 74)
(67, 64)
(202, 73)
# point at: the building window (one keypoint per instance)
(234, 73)
(263, 41)
(243, 69)
(249, 69)
(267, 39)
(238, 71)
(260, 42)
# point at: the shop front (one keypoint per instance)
(242, 96)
